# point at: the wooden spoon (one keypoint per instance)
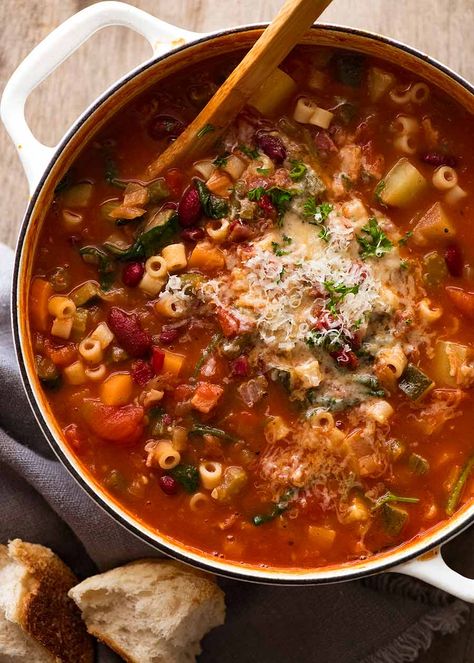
(290, 24)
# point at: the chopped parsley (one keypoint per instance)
(263, 171)
(378, 191)
(298, 170)
(319, 211)
(221, 161)
(279, 197)
(390, 497)
(404, 265)
(281, 275)
(249, 152)
(278, 249)
(337, 293)
(405, 238)
(207, 128)
(376, 242)
(324, 234)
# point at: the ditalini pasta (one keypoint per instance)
(268, 354)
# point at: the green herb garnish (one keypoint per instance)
(213, 206)
(279, 197)
(263, 171)
(337, 293)
(201, 429)
(456, 490)
(250, 152)
(278, 508)
(376, 242)
(213, 343)
(378, 192)
(221, 161)
(298, 170)
(206, 129)
(405, 238)
(390, 497)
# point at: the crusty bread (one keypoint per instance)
(37, 614)
(151, 611)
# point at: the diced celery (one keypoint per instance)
(78, 195)
(85, 293)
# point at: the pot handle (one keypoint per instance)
(53, 50)
(432, 568)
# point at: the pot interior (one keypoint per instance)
(84, 130)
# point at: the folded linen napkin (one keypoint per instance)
(386, 619)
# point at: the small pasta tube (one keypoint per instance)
(405, 143)
(180, 438)
(400, 95)
(234, 166)
(175, 257)
(304, 109)
(91, 350)
(61, 307)
(198, 501)
(419, 93)
(170, 306)
(405, 125)
(167, 456)
(210, 473)
(427, 313)
(205, 168)
(218, 230)
(117, 389)
(103, 334)
(455, 195)
(317, 80)
(96, 373)
(156, 267)
(75, 373)
(72, 221)
(321, 118)
(445, 178)
(323, 420)
(394, 358)
(380, 411)
(62, 327)
(150, 285)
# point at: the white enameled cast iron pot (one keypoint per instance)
(173, 49)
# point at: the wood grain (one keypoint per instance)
(441, 28)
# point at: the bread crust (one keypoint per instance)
(46, 613)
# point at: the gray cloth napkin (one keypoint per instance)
(386, 619)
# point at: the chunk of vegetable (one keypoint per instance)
(40, 292)
(275, 91)
(378, 82)
(47, 372)
(85, 293)
(117, 389)
(456, 491)
(233, 482)
(187, 476)
(418, 464)
(414, 383)
(213, 344)
(350, 68)
(201, 429)
(462, 299)
(434, 269)
(449, 358)
(402, 184)
(78, 195)
(393, 518)
(122, 425)
(206, 396)
(206, 257)
(322, 537)
(434, 227)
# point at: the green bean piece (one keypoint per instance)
(456, 491)
(201, 429)
(213, 343)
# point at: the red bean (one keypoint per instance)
(142, 372)
(168, 485)
(240, 366)
(454, 260)
(437, 159)
(189, 208)
(165, 126)
(167, 336)
(271, 145)
(129, 333)
(132, 274)
(193, 234)
(267, 206)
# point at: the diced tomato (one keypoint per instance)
(206, 396)
(122, 425)
(157, 359)
(229, 323)
(183, 392)
(346, 358)
(174, 180)
(62, 355)
(462, 300)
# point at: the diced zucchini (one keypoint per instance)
(434, 227)
(449, 358)
(418, 464)
(233, 482)
(47, 372)
(414, 383)
(85, 293)
(79, 323)
(434, 269)
(277, 90)
(78, 195)
(395, 449)
(115, 481)
(108, 207)
(378, 82)
(350, 68)
(158, 190)
(402, 184)
(393, 518)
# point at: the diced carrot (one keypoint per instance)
(229, 324)
(462, 300)
(206, 396)
(174, 180)
(117, 389)
(206, 257)
(173, 362)
(60, 355)
(40, 292)
(220, 183)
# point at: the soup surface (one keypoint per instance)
(268, 354)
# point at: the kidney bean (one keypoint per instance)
(142, 372)
(168, 484)
(454, 260)
(240, 366)
(132, 274)
(189, 207)
(193, 234)
(167, 336)
(271, 145)
(129, 333)
(165, 126)
(267, 206)
(437, 159)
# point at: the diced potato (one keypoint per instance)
(234, 480)
(449, 358)
(402, 184)
(378, 82)
(78, 195)
(277, 90)
(117, 389)
(356, 512)
(434, 227)
(173, 362)
(234, 166)
(321, 537)
(75, 374)
(206, 257)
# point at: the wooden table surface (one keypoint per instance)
(442, 28)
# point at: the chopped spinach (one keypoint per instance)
(105, 265)
(206, 129)
(213, 343)
(250, 152)
(278, 508)
(372, 384)
(202, 429)
(350, 68)
(221, 160)
(187, 476)
(213, 206)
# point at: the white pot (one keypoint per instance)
(174, 48)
